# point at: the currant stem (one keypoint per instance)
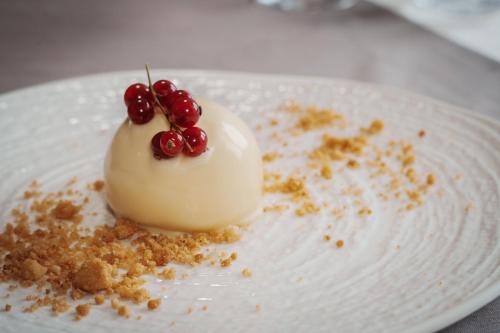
(165, 112)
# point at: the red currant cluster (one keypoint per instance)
(181, 111)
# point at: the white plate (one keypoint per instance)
(415, 271)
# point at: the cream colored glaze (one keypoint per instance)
(223, 186)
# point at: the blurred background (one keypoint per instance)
(447, 49)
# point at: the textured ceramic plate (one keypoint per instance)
(399, 270)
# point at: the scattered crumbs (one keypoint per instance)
(258, 307)
(365, 211)
(339, 244)
(398, 247)
(138, 317)
(410, 206)
(34, 184)
(246, 272)
(327, 237)
(154, 303)
(172, 323)
(7, 307)
(307, 208)
(414, 196)
(124, 311)
(421, 133)
(329, 226)
(269, 157)
(352, 164)
(430, 179)
(98, 185)
(82, 310)
(99, 299)
(115, 303)
(94, 275)
(31, 270)
(76, 294)
(274, 122)
(31, 194)
(258, 128)
(189, 310)
(376, 127)
(314, 118)
(65, 210)
(326, 171)
(168, 274)
(275, 208)
(204, 308)
(225, 262)
(468, 207)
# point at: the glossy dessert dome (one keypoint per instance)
(221, 187)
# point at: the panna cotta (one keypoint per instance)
(221, 187)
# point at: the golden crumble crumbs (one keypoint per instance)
(421, 133)
(314, 118)
(225, 262)
(115, 303)
(339, 244)
(327, 237)
(275, 208)
(352, 164)
(65, 210)
(307, 208)
(430, 179)
(258, 307)
(82, 310)
(65, 261)
(168, 274)
(124, 311)
(365, 211)
(7, 307)
(204, 308)
(154, 303)
(246, 272)
(269, 157)
(98, 185)
(326, 171)
(93, 275)
(99, 299)
(31, 270)
(31, 194)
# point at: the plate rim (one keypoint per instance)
(435, 323)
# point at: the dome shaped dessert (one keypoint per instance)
(220, 187)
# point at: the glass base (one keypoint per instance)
(466, 7)
(308, 4)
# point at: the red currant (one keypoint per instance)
(163, 87)
(140, 111)
(185, 112)
(137, 91)
(155, 146)
(197, 140)
(168, 100)
(171, 143)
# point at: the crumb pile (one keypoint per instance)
(46, 247)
